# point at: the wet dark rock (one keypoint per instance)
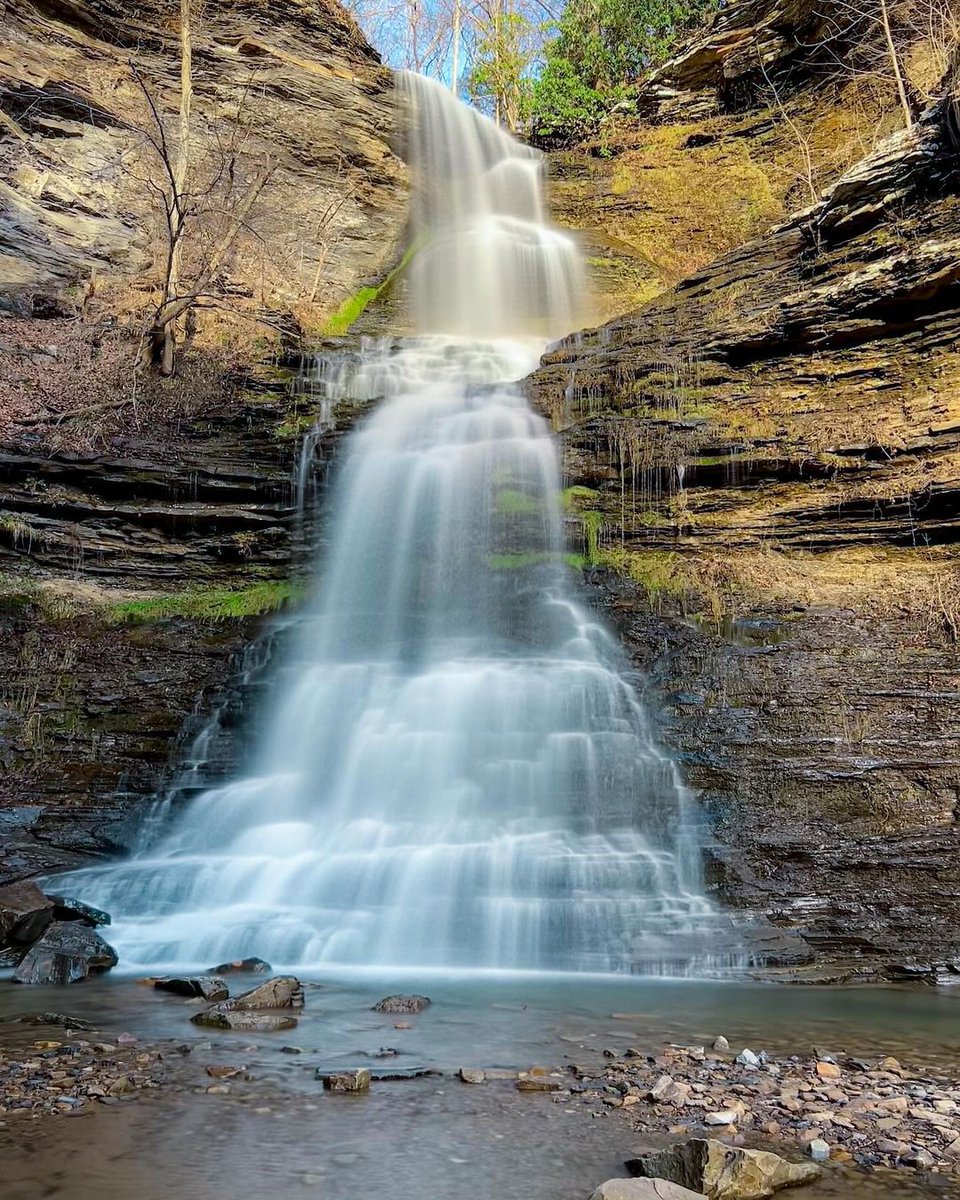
(52, 1018)
(347, 1081)
(402, 1004)
(68, 908)
(242, 966)
(204, 986)
(25, 912)
(67, 953)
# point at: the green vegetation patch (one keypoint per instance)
(209, 604)
(353, 308)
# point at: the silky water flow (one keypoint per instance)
(453, 770)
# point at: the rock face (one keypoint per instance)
(66, 953)
(721, 1172)
(764, 464)
(296, 83)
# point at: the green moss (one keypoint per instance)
(211, 604)
(353, 308)
(571, 497)
(659, 572)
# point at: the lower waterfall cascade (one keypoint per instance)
(452, 768)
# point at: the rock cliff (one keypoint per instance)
(765, 465)
(293, 85)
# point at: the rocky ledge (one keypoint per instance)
(764, 473)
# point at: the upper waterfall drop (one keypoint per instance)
(453, 770)
(488, 264)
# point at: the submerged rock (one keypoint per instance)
(347, 1081)
(52, 1018)
(643, 1189)
(204, 986)
(25, 912)
(723, 1172)
(242, 966)
(402, 1004)
(65, 954)
(221, 1017)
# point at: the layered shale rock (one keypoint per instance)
(295, 86)
(764, 470)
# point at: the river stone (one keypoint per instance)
(347, 1081)
(283, 991)
(402, 1004)
(222, 1017)
(67, 908)
(204, 986)
(25, 912)
(722, 1172)
(472, 1075)
(65, 954)
(241, 966)
(643, 1189)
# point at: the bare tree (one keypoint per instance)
(206, 205)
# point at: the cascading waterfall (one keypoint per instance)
(453, 770)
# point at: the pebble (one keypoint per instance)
(721, 1045)
(819, 1150)
(725, 1116)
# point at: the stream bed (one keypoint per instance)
(428, 1136)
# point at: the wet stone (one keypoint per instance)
(205, 987)
(242, 966)
(66, 953)
(402, 1004)
(346, 1081)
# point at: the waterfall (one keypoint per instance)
(453, 769)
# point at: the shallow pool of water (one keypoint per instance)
(429, 1136)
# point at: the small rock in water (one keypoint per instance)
(537, 1083)
(402, 1004)
(224, 1072)
(290, 1050)
(245, 1021)
(721, 1045)
(346, 1081)
(609, 1053)
(204, 987)
(242, 966)
(819, 1150)
(471, 1075)
(52, 1018)
(283, 991)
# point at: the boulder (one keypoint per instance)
(723, 1172)
(67, 908)
(204, 986)
(346, 1081)
(242, 966)
(283, 991)
(65, 954)
(221, 1017)
(643, 1189)
(402, 1004)
(25, 912)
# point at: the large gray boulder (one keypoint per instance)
(66, 953)
(723, 1172)
(643, 1189)
(25, 912)
(244, 1020)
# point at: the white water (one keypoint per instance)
(454, 771)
